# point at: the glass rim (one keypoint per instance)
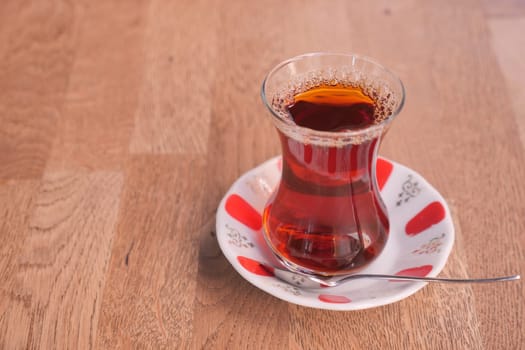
(330, 135)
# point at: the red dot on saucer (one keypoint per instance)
(255, 266)
(334, 299)
(383, 170)
(420, 271)
(428, 216)
(242, 211)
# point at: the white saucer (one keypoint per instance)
(420, 239)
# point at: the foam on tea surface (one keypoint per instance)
(346, 102)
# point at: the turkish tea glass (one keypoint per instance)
(326, 217)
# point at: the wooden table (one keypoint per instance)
(123, 123)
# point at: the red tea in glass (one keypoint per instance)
(326, 217)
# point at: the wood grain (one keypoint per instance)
(149, 299)
(123, 123)
(176, 89)
(60, 266)
(35, 61)
(98, 107)
(509, 48)
(504, 8)
(16, 205)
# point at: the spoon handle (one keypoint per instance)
(333, 283)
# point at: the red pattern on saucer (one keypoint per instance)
(242, 211)
(383, 170)
(335, 299)
(428, 216)
(255, 266)
(419, 271)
